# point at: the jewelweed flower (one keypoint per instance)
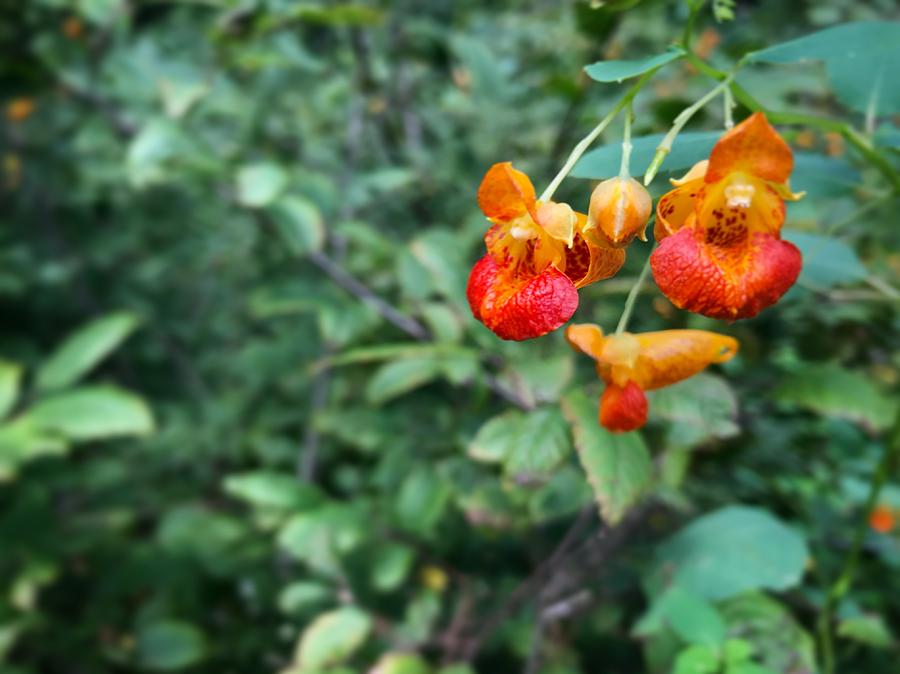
(620, 209)
(631, 364)
(720, 251)
(537, 257)
(882, 519)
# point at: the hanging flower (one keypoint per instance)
(721, 252)
(619, 211)
(632, 364)
(537, 258)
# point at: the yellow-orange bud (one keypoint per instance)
(620, 209)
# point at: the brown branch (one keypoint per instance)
(556, 577)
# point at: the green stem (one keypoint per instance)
(585, 142)
(632, 297)
(844, 582)
(850, 134)
(683, 118)
(624, 168)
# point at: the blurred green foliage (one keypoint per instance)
(248, 423)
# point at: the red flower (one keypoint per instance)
(538, 256)
(720, 251)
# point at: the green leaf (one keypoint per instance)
(831, 390)
(268, 489)
(10, 378)
(92, 413)
(860, 59)
(688, 148)
(540, 444)
(827, 261)
(260, 184)
(332, 638)
(83, 350)
(871, 630)
(318, 537)
(779, 640)
(696, 410)
(21, 441)
(401, 376)
(422, 501)
(391, 565)
(169, 645)
(823, 177)
(697, 660)
(493, 441)
(401, 663)
(529, 445)
(693, 619)
(617, 465)
(733, 550)
(299, 223)
(302, 596)
(616, 71)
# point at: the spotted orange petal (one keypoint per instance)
(735, 279)
(506, 193)
(623, 409)
(752, 147)
(587, 262)
(519, 307)
(675, 207)
(737, 205)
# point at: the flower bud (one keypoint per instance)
(620, 209)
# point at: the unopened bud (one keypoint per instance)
(620, 209)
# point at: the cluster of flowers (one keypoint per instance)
(720, 254)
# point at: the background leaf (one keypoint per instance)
(733, 550)
(617, 465)
(83, 350)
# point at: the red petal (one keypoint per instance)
(737, 281)
(623, 409)
(520, 308)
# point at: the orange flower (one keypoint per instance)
(720, 251)
(19, 109)
(882, 519)
(537, 258)
(631, 364)
(619, 211)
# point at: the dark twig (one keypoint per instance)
(565, 569)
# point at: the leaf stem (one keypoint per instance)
(844, 582)
(632, 297)
(585, 142)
